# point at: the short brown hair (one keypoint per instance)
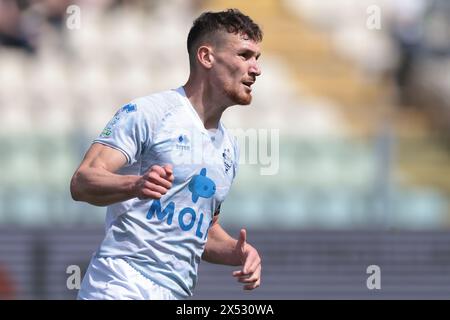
(231, 21)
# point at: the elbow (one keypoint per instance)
(75, 189)
(79, 190)
(205, 256)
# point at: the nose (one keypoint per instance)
(255, 69)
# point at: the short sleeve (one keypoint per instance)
(129, 131)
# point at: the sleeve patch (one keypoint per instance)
(128, 108)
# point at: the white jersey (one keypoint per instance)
(164, 239)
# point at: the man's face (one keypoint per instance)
(235, 67)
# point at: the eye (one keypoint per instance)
(244, 56)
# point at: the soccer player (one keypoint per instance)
(164, 164)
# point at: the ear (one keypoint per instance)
(205, 56)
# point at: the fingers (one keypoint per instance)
(252, 286)
(169, 172)
(251, 281)
(239, 273)
(155, 188)
(159, 170)
(162, 171)
(247, 275)
(156, 179)
(165, 172)
(161, 175)
(147, 193)
(156, 182)
(247, 278)
(168, 168)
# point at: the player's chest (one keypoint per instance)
(207, 163)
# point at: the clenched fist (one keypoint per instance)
(155, 182)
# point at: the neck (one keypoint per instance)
(204, 101)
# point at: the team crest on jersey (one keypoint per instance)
(128, 108)
(227, 160)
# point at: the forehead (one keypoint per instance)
(238, 42)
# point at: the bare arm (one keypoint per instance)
(96, 182)
(221, 248)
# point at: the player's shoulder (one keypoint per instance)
(157, 103)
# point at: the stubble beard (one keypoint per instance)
(238, 97)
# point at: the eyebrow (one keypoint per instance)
(246, 50)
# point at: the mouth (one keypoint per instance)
(248, 84)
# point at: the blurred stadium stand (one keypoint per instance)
(297, 265)
(364, 134)
(343, 135)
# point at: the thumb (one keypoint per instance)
(242, 240)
